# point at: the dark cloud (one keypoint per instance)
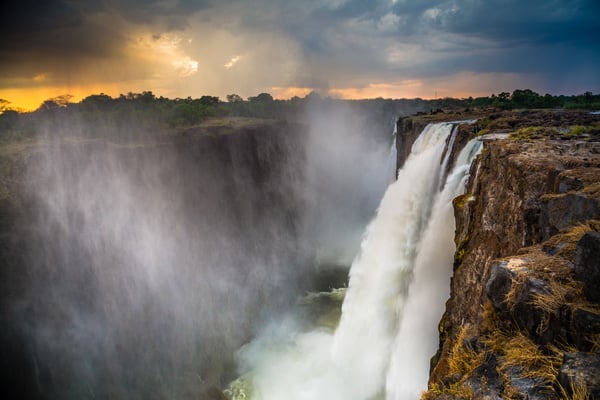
(37, 35)
(548, 38)
(531, 21)
(340, 42)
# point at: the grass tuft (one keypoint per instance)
(459, 390)
(463, 358)
(531, 360)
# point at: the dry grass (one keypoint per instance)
(595, 341)
(579, 391)
(520, 351)
(511, 296)
(490, 316)
(565, 243)
(577, 232)
(463, 358)
(592, 190)
(517, 351)
(518, 355)
(560, 294)
(458, 390)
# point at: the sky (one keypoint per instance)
(339, 48)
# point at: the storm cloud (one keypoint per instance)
(349, 48)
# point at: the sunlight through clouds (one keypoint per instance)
(182, 48)
(167, 48)
(232, 62)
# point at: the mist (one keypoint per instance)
(379, 343)
(146, 264)
(349, 165)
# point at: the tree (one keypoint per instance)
(261, 98)
(209, 100)
(525, 98)
(8, 119)
(56, 102)
(234, 98)
(502, 101)
(4, 105)
(97, 102)
(504, 96)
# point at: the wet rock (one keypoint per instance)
(329, 276)
(486, 381)
(575, 179)
(501, 280)
(581, 369)
(512, 275)
(499, 285)
(529, 388)
(559, 212)
(407, 131)
(584, 324)
(587, 264)
(529, 317)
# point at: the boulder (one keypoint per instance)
(562, 211)
(581, 369)
(501, 280)
(513, 276)
(584, 324)
(536, 322)
(587, 264)
(529, 388)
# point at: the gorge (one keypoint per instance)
(212, 263)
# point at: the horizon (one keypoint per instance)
(70, 99)
(347, 49)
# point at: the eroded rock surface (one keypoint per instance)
(526, 269)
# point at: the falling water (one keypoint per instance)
(397, 288)
(417, 338)
(381, 274)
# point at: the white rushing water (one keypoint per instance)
(395, 297)
(417, 339)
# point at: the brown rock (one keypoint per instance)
(587, 264)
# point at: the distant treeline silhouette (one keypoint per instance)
(142, 113)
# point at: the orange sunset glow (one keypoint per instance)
(180, 50)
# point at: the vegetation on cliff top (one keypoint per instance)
(142, 113)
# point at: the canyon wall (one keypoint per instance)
(523, 318)
(136, 269)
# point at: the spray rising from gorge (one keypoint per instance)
(397, 289)
(138, 265)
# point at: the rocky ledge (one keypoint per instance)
(523, 318)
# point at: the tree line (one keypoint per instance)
(141, 113)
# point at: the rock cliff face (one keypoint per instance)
(523, 318)
(124, 266)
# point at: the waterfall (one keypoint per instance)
(397, 288)
(381, 274)
(417, 338)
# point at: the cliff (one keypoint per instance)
(99, 236)
(523, 317)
